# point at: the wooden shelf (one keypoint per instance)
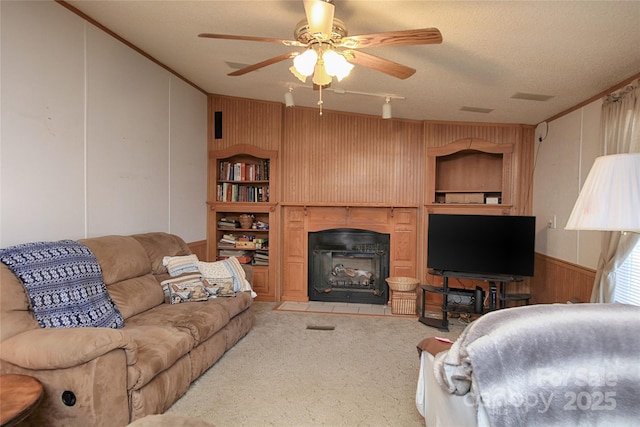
(254, 161)
(469, 166)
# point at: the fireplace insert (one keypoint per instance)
(348, 265)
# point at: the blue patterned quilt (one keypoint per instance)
(64, 283)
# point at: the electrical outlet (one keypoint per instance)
(552, 222)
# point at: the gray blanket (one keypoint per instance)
(549, 365)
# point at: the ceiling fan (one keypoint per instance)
(330, 51)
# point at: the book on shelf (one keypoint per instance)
(261, 257)
(244, 171)
(228, 223)
(226, 245)
(229, 192)
(227, 219)
(234, 252)
(244, 257)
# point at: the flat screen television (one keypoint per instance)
(481, 244)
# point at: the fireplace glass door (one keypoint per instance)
(348, 265)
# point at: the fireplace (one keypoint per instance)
(348, 265)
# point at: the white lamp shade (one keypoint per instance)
(610, 197)
(320, 76)
(306, 62)
(320, 16)
(336, 65)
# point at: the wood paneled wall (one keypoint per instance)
(438, 134)
(349, 158)
(244, 121)
(359, 160)
(556, 280)
(199, 248)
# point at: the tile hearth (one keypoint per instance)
(337, 308)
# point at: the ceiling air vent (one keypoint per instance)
(531, 96)
(477, 110)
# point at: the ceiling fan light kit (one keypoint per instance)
(319, 16)
(323, 65)
(304, 65)
(323, 35)
(336, 65)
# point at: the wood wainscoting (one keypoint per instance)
(558, 281)
(199, 248)
(554, 281)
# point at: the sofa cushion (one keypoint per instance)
(236, 305)
(177, 265)
(120, 257)
(202, 319)
(158, 245)
(136, 295)
(159, 347)
(221, 271)
(188, 288)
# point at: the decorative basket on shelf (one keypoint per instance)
(402, 284)
(246, 220)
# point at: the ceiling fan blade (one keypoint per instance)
(263, 64)
(320, 16)
(394, 38)
(379, 64)
(252, 39)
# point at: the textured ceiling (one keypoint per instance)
(567, 50)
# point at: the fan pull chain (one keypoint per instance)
(320, 102)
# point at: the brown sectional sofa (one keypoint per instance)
(111, 377)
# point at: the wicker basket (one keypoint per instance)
(402, 284)
(246, 221)
(403, 303)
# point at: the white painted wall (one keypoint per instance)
(564, 159)
(95, 139)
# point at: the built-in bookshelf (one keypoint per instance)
(242, 212)
(243, 181)
(468, 173)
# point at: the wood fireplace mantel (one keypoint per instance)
(400, 222)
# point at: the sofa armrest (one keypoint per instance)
(248, 272)
(59, 348)
(433, 346)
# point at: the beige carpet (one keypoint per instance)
(363, 372)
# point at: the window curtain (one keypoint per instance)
(620, 127)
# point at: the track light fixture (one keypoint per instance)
(288, 98)
(386, 108)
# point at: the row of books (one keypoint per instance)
(244, 257)
(228, 192)
(243, 241)
(233, 245)
(261, 257)
(241, 171)
(226, 222)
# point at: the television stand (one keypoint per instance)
(496, 287)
